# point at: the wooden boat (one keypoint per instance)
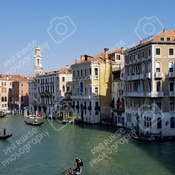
(70, 172)
(144, 138)
(66, 122)
(34, 123)
(2, 114)
(4, 137)
(35, 116)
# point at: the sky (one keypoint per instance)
(67, 29)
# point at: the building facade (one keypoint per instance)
(149, 85)
(117, 100)
(91, 87)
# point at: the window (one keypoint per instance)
(172, 106)
(172, 122)
(159, 123)
(168, 38)
(96, 91)
(143, 54)
(158, 86)
(63, 79)
(171, 86)
(89, 71)
(96, 71)
(149, 67)
(171, 65)
(157, 66)
(85, 72)
(63, 88)
(117, 57)
(149, 52)
(21, 84)
(81, 73)
(78, 74)
(157, 51)
(73, 73)
(161, 39)
(171, 51)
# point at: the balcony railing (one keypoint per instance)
(159, 75)
(172, 94)
(171, 74)
(155, 94)
(148, 75)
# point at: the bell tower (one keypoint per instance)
(38, 61)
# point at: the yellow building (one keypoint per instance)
(91, 87)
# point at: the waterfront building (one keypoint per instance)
(117, 100)
(48, 90)
(91, 87)
(149, 85)
(14, 92)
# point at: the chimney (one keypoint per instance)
(75, 61)
(106, 52)
(142, 41)
(67, 66)
(164, 30)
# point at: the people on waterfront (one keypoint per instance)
(77, 161)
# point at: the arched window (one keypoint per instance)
(2, 99)
(171, 66)
(159, 123)
(5, 98)
(172, 122)
(158, 85)
(158, 66)
(63, 88)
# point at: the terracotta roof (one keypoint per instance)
(101, 57)
(12, 77)
(168, 33)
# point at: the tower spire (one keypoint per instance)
(38, 61)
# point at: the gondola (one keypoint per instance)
(4, 137)
(34, 123)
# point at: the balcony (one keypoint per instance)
(97, 108)
(148, 75)
(136, 94)
(171, 74)
(172, 94)
(159, 75)
(154, 94)
(142, 76)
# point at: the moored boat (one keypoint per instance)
(144, 138)
(34, 123)
(2, 114)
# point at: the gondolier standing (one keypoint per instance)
(4, 131)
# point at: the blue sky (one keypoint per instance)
(87, 28)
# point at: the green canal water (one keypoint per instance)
(51, 148)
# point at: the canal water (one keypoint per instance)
(50, 149)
